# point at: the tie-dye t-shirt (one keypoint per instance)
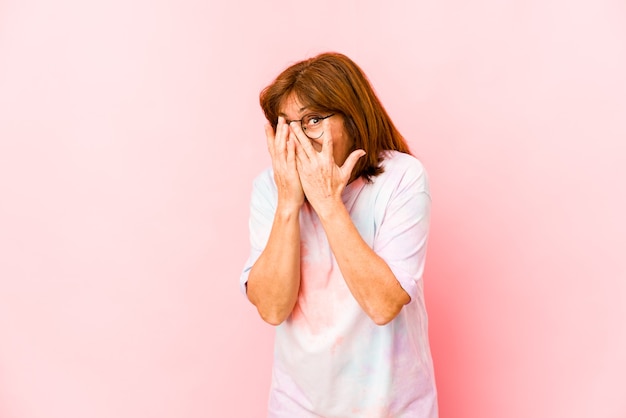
(330, 359)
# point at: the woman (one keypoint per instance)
(338, 231)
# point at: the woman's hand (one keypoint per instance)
(321, 178)
(283, 154)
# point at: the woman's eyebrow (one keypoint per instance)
(301, 110)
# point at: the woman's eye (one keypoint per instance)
(312, 120)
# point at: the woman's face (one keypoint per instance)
(292, 110)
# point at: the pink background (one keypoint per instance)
(130, 133)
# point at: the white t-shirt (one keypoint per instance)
(330, 359)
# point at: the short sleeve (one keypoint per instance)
(262, 210)
(402, 232)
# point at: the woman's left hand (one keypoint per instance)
(321, 178)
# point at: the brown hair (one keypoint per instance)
(332, 82)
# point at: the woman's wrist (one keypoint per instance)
(287, 209)
(329, 208)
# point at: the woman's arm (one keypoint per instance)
(274, 280)
(368, 276)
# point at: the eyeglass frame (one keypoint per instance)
(304, 129)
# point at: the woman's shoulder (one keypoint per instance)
(264, 178)
(400, 163)
(263, 185)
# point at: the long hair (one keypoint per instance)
(331, 82)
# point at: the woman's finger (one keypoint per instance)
(279, 132)
(291, 153)
(350, 162)
(300, 155)
(327, 140)
(270, 137)
(291, 148)
(280, 142)
(302, 139)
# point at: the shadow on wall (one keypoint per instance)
(449, 281)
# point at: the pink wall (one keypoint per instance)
(129, 136)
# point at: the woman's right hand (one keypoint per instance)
(283, 153)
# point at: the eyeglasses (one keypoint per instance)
(312, 125)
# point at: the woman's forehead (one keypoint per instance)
(293, 103)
